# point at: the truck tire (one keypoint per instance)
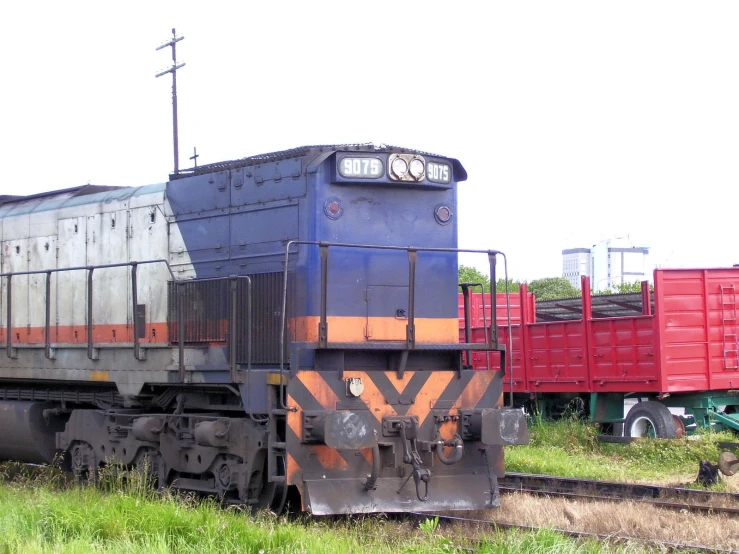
(650, 419)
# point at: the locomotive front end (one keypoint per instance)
(381, 413)
(370, 441)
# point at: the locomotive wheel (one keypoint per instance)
(273, 496)
(150, 463)
(650, 419)
(84, 464)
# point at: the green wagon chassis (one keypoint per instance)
(650, 416)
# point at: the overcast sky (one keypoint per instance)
(576, 121)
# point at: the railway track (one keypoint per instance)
(663, 545)
(679, 498)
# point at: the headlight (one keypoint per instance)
(399, 167)
(417, 168)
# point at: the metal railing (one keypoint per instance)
(179, 284)
(90, 269)
(410, 341)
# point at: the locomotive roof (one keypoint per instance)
(13, 203)
(299, 152)
(69, 193)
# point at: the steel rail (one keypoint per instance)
(612, 489)
(707, 508)
(671, 546)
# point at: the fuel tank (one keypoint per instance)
(25, 434)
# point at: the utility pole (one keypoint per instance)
(173, 71)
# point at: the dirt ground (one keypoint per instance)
(622, 519)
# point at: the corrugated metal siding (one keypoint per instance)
(557, 356)
(694, 324)
(623, 354)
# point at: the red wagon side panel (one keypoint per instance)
(696, 318)
(623, 355)
(515, 355)
(476, 307)
(480, 359)
(557, 359)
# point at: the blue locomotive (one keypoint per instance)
(280, 323)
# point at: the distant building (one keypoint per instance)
(608, 263)
(575, 263)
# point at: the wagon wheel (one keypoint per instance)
(679, 426)
(650, 419)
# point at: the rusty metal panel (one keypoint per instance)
(71, 286)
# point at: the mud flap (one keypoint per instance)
(449, 492)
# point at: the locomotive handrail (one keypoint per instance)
(89, 268)
(412, 252)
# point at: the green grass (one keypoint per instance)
(569, 448)
(43, 513)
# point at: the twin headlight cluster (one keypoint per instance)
(407, 168)
(400, 167)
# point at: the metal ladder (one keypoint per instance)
(729, 330)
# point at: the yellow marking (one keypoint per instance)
(315, 384)
(274, 379)
(474, 390)
(367, 453)
(292, 470)
(372, 396)
(448, 429)
(99, 376)
(431, 390)
(355, 329)
(295, 418)
(400, 384)
(328, 457)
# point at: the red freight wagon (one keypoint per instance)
(678, 347)
(477, 319)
